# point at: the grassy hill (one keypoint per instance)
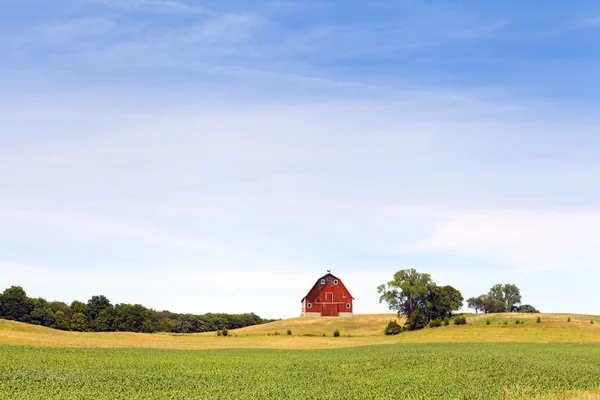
(308, 333)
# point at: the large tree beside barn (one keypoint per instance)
(416, 296)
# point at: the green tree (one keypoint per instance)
(41, 313)
(15, 305)
(79, 322)
(96, 304)
(512, 297)
(61, 321)
(61, 306)
(500, 298)
(79, 307)
(416, 296)
(476, 303)
(527, 308)
(105, 320)
(406, 293)
(131, 317)
(441, 301)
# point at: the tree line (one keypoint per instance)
(500, 298)
(99, 315)
(416, 296)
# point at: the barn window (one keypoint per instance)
(322, 281)
(309, 305)
(335, 282)
(347, 305)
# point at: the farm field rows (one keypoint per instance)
(401, 371)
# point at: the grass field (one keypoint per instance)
(401, 371)
(477, 359)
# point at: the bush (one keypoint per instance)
(289, 332)
(336, 333)
(591, 321)
(435, 323)
(487, 322)
(517, 322)
(569, 319)
(416, 320)
(539, 320)
(219, 333)
(225, 332)
(460, 320)
(446, 321)
(505, 322)
(393, 328)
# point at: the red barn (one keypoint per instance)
(328, 298)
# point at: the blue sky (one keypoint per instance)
(220, 156)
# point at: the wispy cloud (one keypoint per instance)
(531, 240)
(158, 6)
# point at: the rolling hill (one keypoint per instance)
(361, 330)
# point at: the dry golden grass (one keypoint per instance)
(361, 330)
(593, 394)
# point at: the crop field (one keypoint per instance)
(480, 360)
(401, 371)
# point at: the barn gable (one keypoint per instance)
(328, 297)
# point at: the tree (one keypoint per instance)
(15, 304)
(61, 306)
(500, 298)
(476, 303)
(96, 304)
(526, 308)
(406, 292)
(496, 294)
(79, 322)
(79, 307)
(41, 313)
(416, 296)
(512, 297)
(131, 317)
(61, 321)
(105, 320)
(441, 301)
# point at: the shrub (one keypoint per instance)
(289, 332)
(460, 320)
(446, 321)
(219, 333)
(225, 332)
(539, 320)
(393, 328)
(276, 333)
(591, 321)
(487, 322)
(505, 322)
(569, 319)
(435, 323)
(336, 333)
(416, 320)
(517, 322)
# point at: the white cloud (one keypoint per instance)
(533, 240)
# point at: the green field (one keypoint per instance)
(401, 371)
(479, 360)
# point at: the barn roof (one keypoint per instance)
(319, 280)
